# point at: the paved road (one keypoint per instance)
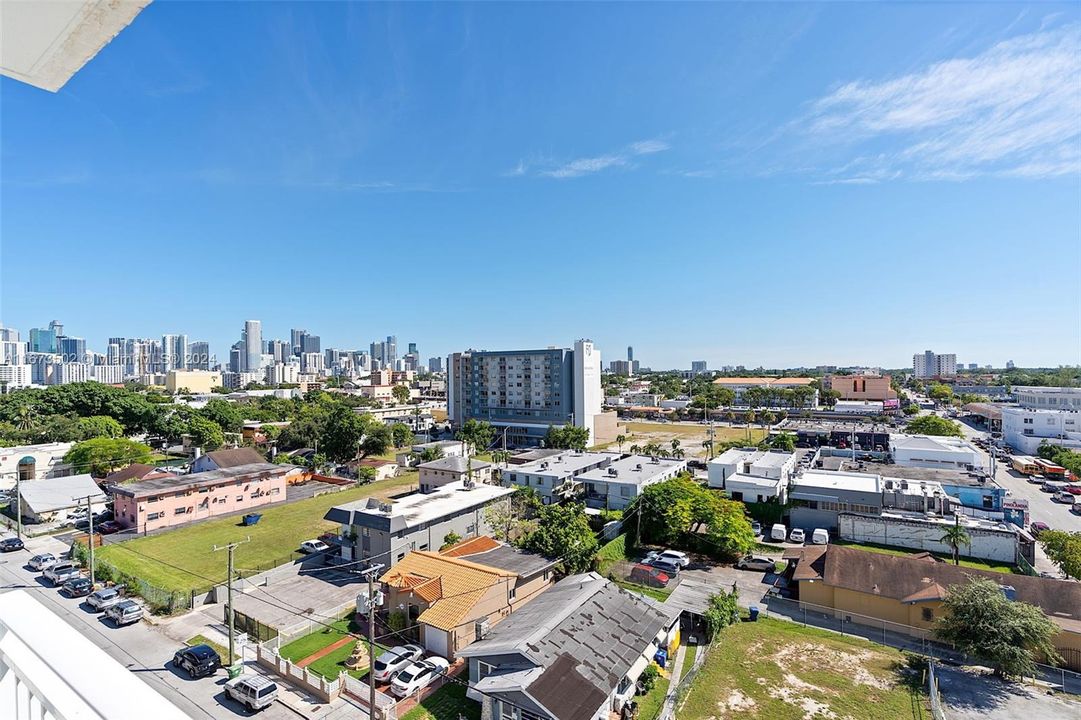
(1041, 507)
(974, 695)
(141, 648)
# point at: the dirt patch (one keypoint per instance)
(850, 663)
(737, 702)
(812, 709)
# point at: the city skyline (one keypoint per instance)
(439, 175)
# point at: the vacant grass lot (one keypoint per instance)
(965, 562)
(777, 670)
(184, 559)
(689, 435)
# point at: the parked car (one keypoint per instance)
(418, 676)
(11, 544)
(198, 660)
(109, 527)
(1065, 498)
(650, 556)
(83, 524)
(679, 558)
(105, 598)
(651, 576)
(778, 532)
(79, 512)
(797, 536)
(60, 573)
(756, 562)
(1072, 489)
(665, 565)
(125, 612)
(42, 561)
(1038, 527)
(1036, 479)
(756, 528)
(395, 659)
(77, 587)
(253, 691)
(314, 546)
(820, 536)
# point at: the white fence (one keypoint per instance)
(324, 689)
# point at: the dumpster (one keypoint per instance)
(754, 613)
(252, 518)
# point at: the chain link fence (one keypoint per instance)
(932, 692)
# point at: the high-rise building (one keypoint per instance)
(174, 352)
(630, 353)
(309, 343)
(295, 336)
(253, 345)
(312, 363)
(412, 348)
(929, 365)
(526, 391)
(43, 340)
(435, 364)
(698, 367)
(390, 351)
(1009, 365)
(199, 358)
(72, 349)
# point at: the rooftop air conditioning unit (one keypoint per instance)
(481, 628)
(638, 466)
(613, 471)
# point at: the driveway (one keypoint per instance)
(971, 695)
(697, 583)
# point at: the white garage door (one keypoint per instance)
(435, 641)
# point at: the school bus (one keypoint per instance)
(1025, 465)
(1050, 469)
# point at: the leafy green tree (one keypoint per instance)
(1064, 549)
(940, 393)
(226, 414)
(829, 398)
(431, 454)
(562, 531)
(401, 435)
(100, 426)
(620, 439)
(768, 418)
(566, 437)
(722, 610)
(911, 409)
(979, 620)
(674, 511)
(342, 433)
(205, 434)
(782, 441)
(400, 393)
(366, 475)
(956, 536)
(450, 539)
(377, 440)
(100, 456)
(476, 434)
(933, 425)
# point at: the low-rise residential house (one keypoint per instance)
(224, 459)
(456, 469)
(452, 597)
(616, 485)
(33, 462)
(555, 476)
(419, 521)
(383, 468)
(47, 500)
(573, 653)
(933, 451)
(527, 456)
(869, 587)
(134, 473)
(753, 475)
(411, 457)
(169, 501)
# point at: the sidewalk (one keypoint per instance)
(673, 684)
(300, 702)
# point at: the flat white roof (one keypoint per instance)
(419, 508)
(931, 442)
(755, 480)
(735, 455)
(629, 472)
(859, 482)
(562, 464)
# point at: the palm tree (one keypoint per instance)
(675, 445)
(620, 439)
(26, 418)
(635, 449)
(955, 536)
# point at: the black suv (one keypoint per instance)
(198, 660)
(77, 587)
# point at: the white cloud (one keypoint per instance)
(1013, 110)
(589, 165)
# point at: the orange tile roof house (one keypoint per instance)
(455, 595)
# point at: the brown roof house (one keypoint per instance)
(225, 459)
(574, 653)
(456, 595)
(909, 590)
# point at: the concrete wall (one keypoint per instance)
(986, 544)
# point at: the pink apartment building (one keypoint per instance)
(169, 501)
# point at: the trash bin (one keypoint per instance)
(754, 613)
(236, 670)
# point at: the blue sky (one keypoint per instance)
(746, 184)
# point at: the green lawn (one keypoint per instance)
(658, 594)
(447, 703)
(777, 670)
(223, 652)
(332, 664)
(650, 704)
(612, 552)
(184, 559)
(965, 562)
(688, 660)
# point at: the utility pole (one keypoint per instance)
(229, 584)
(90, 531)
(370, 572)
(18, 504)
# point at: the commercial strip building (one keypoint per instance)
(817, 497)
(861, 435)
(988, 539)
(617, 484)
(170, 501)
(909, 591)
(453, 597)
(934, 451)
(740, 385)
(573, 653)
(1025, 429)
(385, 531)
(527, 391)
(753, 475)
(554, 475)
(1048, 398)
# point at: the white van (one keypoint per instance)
(778, 532)
(820, 537)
